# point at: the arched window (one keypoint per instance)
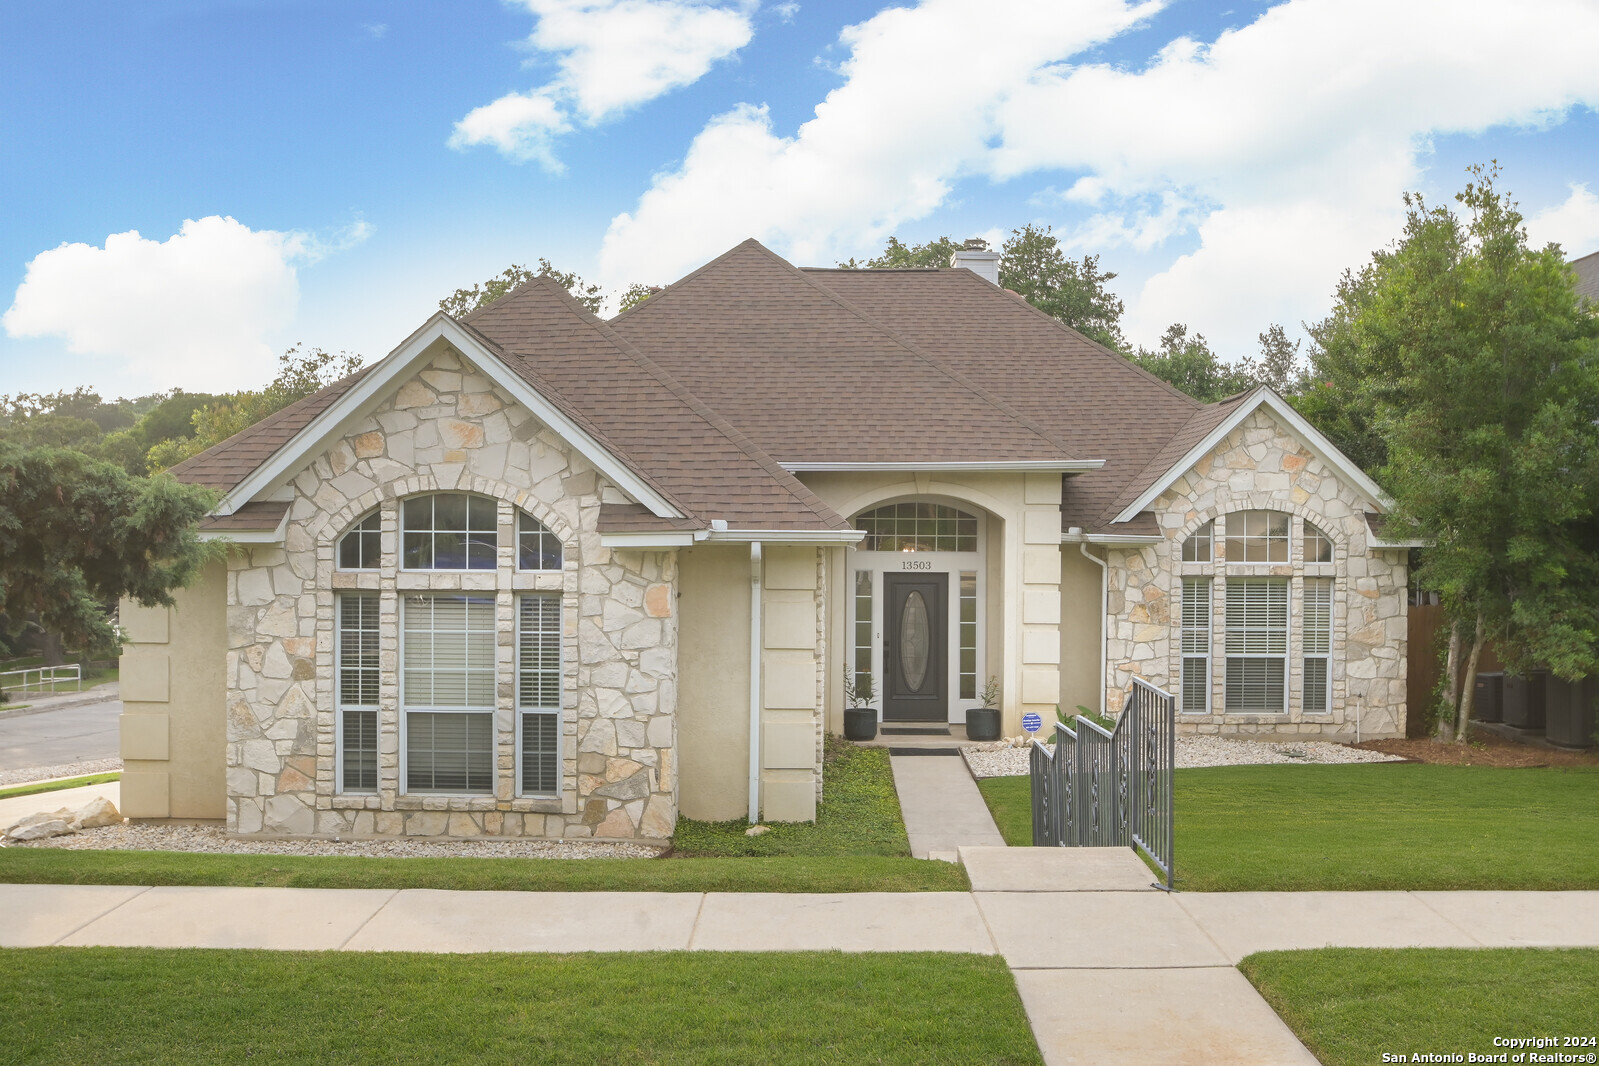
(1317, 545)
(358, 549)
(1196, 549)
(917, 527)
(449, 531)
(536, 547)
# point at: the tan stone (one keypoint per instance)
(463, 825)
(368, 445)
(618, 768)
(658, 601)
(616, 824)
(414, 394)
(477, 403)
(292, 780)
(1293, 463)
(456, 434)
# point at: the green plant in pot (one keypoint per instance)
(860, 720)
(982, 723)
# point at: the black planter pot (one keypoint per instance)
(982, 723)
(860, 723)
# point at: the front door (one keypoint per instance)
(915, 647)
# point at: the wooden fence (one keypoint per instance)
(1426, 649)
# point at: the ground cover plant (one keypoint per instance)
(1368, 827)
(1351, 1005)
(671, 1007)
(37, 787)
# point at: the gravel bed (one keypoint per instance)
(1007, 758)
(30, 774)
(215, 841)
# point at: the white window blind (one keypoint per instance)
(447, 691)
(538, 692)
(1317, 625)
(357, 669)
(1196, 645)
(1257, 645)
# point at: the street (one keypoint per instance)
(55, 737)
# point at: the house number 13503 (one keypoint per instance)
(915, 564)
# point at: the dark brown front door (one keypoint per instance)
(915, 647)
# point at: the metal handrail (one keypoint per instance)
(74, 672)
(1110, 788)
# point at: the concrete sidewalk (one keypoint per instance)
(942, 808)
(1110, 970)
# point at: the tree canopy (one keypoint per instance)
(1463, 360)
(77, 533)
(463, 301)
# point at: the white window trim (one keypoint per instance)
(405, 788)
(339, 706)
(1288, 645)
(1210, 642)
(559, 709)
(1327, 656)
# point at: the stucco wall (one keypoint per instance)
(713, 680)
(1261, 466)
(449, 429)
(1079, 631)
(174, 698)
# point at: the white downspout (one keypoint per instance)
(1104, 620)
(755, 682)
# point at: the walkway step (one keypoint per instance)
(1056, 870)
(915, 731)
(942, 808)
(925, 751)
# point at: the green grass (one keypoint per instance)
(75, 1005)
(91, 678)
(859, 815)
(1350, 1005)
(860, 873)
(1367, 827)
(56, 786)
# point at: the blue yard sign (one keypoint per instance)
(1032, 722)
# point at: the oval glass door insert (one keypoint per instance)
(915, 641)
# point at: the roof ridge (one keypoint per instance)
(691, 275)
(716, 421)
(939, 364)
(1107, 349)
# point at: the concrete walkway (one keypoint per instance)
(1110, 970)
(942, 808)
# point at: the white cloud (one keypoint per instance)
(1283, 145)
(194, 311)
(611, 55)
(1573, 224)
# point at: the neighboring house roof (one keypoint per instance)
(702, 396)
(1587, 269)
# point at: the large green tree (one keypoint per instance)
(513, 277)
(1463, 352)
(1187, 361)
(77, 533)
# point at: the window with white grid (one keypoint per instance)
(358, 549)
(1317, 545)
(1197, 548)
(1316, 622)
(1257, 645)
(863, 631)
(447, 688)
(356, 670)
(1257, 537)
(538, 693)
(1196, 645)
(537, 548)
(449, 531)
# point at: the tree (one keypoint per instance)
(513, 277)
(76, 533)
(1187, 362)
(301, 372)
(1278, 365)
(635, 294)
(898, 256)
(1072, 291)
(1479, 371)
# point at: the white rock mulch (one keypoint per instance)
(28, 775)
(215, 841)
(1008, 758)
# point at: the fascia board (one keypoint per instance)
(787, 536)
(1323, 449)
(643, 541)
(1034, 466)
(374, 386)
(1111, 539)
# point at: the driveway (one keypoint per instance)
(56, 737)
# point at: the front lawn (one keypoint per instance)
(859, 815)
(1350, 1005)
(76, 1005)
(1366, 827)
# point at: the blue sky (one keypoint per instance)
(326, 172)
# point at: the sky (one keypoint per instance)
(189, 187)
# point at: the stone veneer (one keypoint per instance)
(449, 429)
(1259, 466)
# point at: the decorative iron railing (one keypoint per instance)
(1112, 788)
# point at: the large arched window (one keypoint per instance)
(917, 527)
(1248, 591)
(450, 531)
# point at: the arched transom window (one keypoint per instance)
(450, 531)
(917, 527)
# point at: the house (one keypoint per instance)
(537, 574)
(1587, 271)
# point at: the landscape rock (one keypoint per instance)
(96, 813)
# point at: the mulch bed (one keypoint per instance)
(1482, 749)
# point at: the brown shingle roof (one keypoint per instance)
(257, 516)
(811, 377)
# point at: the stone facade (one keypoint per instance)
(1260, 466)
(449, 429)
